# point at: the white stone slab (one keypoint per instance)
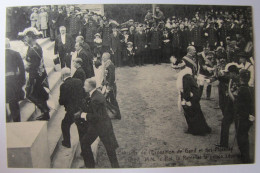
(27, 145)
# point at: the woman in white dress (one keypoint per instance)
(43, 21)
(34, 18)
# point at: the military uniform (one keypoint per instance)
(14, 81)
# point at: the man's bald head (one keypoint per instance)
(105, 56)
(65, 72)
(79, 39)
(191, 50)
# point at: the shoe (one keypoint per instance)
(43, 117)
(217, 107)
(67, 145)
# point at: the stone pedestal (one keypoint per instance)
(27, 145)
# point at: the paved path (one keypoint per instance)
(151, 132)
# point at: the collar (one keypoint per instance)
(66, 78)
(91, 92)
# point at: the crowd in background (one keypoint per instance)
(218, 44)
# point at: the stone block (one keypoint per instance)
(27, 145)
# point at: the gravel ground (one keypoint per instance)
(151, 131)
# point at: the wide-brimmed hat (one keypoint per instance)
(231, 67)
(130, 43)
(31, 31)
(124, 29)
(42, 8)
(97, 34)
(34, 8)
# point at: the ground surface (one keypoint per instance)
(151, 132)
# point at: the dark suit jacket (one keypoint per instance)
(110, 78)
(61, 48)
(140, 41)
(71, 94)
(87, 64)
(14, 83)
(115, 42)
(98, 119)
(80, 74)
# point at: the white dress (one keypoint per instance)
(43, 20)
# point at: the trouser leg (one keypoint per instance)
(87, 139)
(112, 157)
(201, 90)
(65, 128)
(243, 141)
(225, 125)
(62, 61)
(15, 111)
(208, 91)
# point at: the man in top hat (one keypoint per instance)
(14, 80)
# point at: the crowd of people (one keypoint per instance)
(216, 46)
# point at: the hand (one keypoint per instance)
(77, 115)
(251, 118)
(188, 103)
(145, 46)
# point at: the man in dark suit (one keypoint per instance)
(71, 95)
(140, 45)
(87, 63)
(99, 125)
(79, 73)
(64, 45)
(116, 48)
(14, 80)
(53, 14)
(109, 82)
(85, 46)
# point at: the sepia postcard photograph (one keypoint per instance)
(133, 85)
